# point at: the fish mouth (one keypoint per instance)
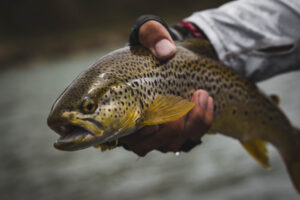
(74, 137)
(79, 134)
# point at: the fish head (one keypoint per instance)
(92, 111)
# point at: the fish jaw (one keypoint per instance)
(76, 133)
(74, 138)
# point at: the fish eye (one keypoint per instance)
(88, 106)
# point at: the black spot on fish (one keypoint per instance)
(136, 83)
(233, 112)
(69, 108)
(142, 104)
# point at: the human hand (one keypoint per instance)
(181, 135)
(154, 36)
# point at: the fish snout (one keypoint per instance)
(57, 123)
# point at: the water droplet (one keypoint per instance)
(177, 153)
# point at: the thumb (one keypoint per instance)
(155, 37)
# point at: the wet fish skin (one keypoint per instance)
(125, 87)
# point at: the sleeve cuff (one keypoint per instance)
(211, 33)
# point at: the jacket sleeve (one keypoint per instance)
(259, 39)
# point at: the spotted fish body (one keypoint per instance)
(129, 88)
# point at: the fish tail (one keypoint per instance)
(291, 157)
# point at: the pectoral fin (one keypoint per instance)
(129, 119)
(106, 146)
(166, 108)
(257, 149)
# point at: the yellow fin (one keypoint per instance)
(257, 149)
(129, 119)
(104, 147)
(275, 98)
(166, 108)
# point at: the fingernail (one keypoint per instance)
(164, 48)
(210, 105)
(199, 98)
(203, 100)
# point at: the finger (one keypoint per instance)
(203, 99)
(170, 137)
(139, 135)
(137, 142)
(161, 140)
(155, 37)
(172, 140)
(166, 138)
(196, 115)
(196, 125)
(189, 145)
(209, 114)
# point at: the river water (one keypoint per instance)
(31, 168)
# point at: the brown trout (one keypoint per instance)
(129, 89)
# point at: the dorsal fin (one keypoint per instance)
(199, 46)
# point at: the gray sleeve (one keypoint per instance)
(243, 31)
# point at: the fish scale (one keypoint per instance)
(129, 89)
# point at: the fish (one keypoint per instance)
(129, 89)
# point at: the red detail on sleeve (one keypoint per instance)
(192, 29)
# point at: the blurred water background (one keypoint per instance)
(30, 168)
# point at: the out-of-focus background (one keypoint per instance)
(34, 29)
(44, 45)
